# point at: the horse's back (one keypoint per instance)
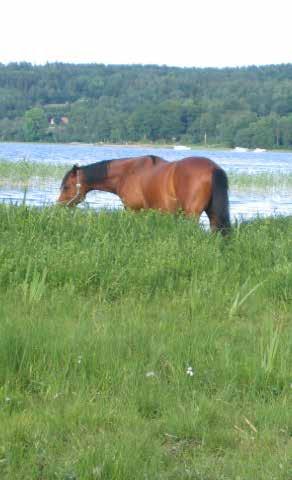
(147, 163)
(201, 164)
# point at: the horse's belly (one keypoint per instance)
(154, 190)
(132, 199)
(160, 194)
(165, 203)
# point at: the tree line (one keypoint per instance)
(248, 106)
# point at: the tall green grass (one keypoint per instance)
(101, 318)
(24, 172)
(260, 181)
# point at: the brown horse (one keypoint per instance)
(194, 185)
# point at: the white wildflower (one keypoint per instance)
(190, 371)
(150, 374)
(97, 471)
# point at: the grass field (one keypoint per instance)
(138, 346)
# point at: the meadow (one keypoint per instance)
(139, 346)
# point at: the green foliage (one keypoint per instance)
(35, 125)
(249, 107)
(101, 316)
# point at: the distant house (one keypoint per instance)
(64, 120)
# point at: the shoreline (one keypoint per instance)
(169, 146)
(122, 145)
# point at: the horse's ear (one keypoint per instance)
(75, 168)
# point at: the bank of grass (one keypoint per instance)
(102, 315)
(23, 173)
(260, 181)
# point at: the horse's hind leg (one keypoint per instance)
(212, 219)
(196, 209)
(195, 206)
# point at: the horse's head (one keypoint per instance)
(72, 189)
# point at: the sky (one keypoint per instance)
(184, 33)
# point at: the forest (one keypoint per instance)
(248, 106)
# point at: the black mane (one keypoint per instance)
(154, 159)
(96, 172)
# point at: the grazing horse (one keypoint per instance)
(193, 185)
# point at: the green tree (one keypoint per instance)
(35, 125)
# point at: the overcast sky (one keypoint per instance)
(199, 33)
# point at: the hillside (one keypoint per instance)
(249, 106)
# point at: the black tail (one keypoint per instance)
(218, 210)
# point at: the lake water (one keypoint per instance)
(243, 204)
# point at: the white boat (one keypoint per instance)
(240, 149)
(181, 147)
(259, 150)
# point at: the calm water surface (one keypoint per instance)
(243, 204)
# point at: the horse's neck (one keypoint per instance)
(117, 172)
(110, 179)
